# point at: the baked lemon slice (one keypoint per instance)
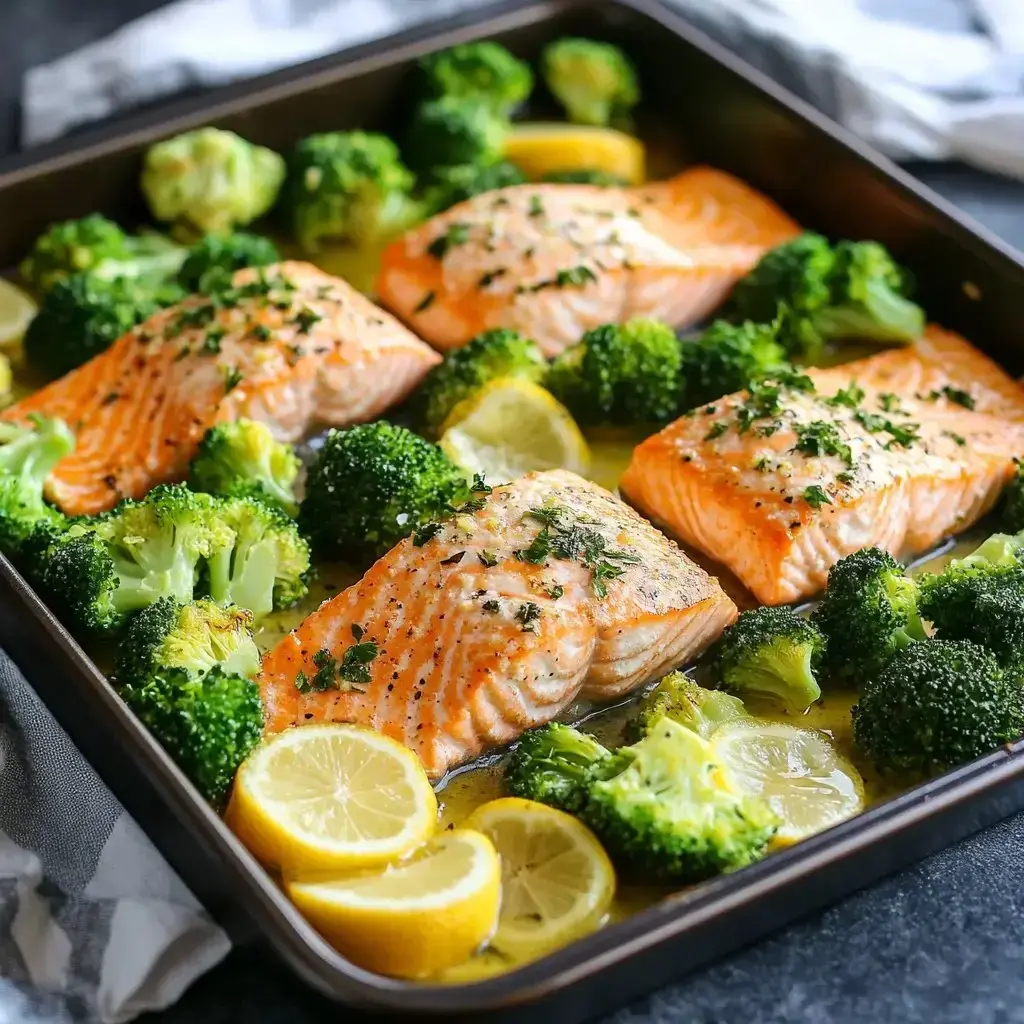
(557, 882)
(415, 918)
(16, 310)
(541, 148)
(331, 798)
(511, 427)
(807, 782)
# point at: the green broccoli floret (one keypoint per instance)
(621, 373)
(490, 355)
(450, 131)
(451, 185)
(242, 459)
(483, 71)
(1010, 511)
(582, 176)
(772, 652)
(869, 611)
(348, 186)
(554, 764)
(267, 565)
(195, 637)
(208, 723)
(101, 570)
(852, 290)
(372, 485)
(28, 454)
(211, 262)
(936, 705)
(727, 358)
(83, 315)
(684, 701)
(672, 813)
(210, 181)
(595, 82)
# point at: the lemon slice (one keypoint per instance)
(808, 784)
(331, 797)
(511, 427)
(540, 148)
(413, 919)
(16, 310)
(556, 880)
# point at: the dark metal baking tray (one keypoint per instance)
(724, 113)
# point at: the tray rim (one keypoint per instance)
(276, 918)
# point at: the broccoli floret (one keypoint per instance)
(869, 611)
(28, 455)
(101, 570)
(347, 186)
(684, 701)
(490, 355)
(621, 373)
(581, 176)
(210, 181)
(208, 724)
(195, 637)
(672, 813)
(83, 315)
(595, 82)
(772, 652)
(554, 765)
(211, 262)
(450, 131)
(372, 485)
(483, 71)
(936, 705)
(852, 290)
(266, 567)
(1010, 511)
(727, 358)
(451, 185)
(243, 460)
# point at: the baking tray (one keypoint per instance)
(725, 113)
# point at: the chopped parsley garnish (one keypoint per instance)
(261, 332)
(232, 378)
(957, 438)
(355, 662)
(953, 394)
(816, 496)
(488, 558)
(845, 477)
(536, 206)
(425, 302)
(821, 438)
(457, 234)
(763, 464)
(212, 340)
(539, 549)
(850, 396)
(902, 435)
(427, 532)
(491, 276)
(764, 397)
(555, 591)
(490, 605)
(527, 616)
(574, 277)
(888, 402)
(717, 430)
(306, 318)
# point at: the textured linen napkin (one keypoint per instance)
(94, 926)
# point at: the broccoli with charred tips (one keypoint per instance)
(211, 263)
(621, 373)
(28, 454)
(208, 723)
(490, 355)
(555, 764)
(450, 185)
(482, 70)
(595, 82)
(1010, 510)
(450, 131)
(684, 701)
(242, 459)
(936, 705)
(869, 611)
(672, 813)
(347, 186)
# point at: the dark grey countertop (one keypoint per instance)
(942, 943)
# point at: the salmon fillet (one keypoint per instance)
(780, 497)
(498, 623)
(290, 346)
(553, 261)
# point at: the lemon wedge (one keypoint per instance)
(805, 780)
(511, 427)
(415, 918)
(541, 148)
(557, 882)
(16, 310)
(331, 798)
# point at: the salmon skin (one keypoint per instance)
(553, 261)
(896, 451)
(288, 345)
(547, 589)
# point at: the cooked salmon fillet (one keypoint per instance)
(498, 623)
(552, 261)
(290, 346)
(780, 487)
